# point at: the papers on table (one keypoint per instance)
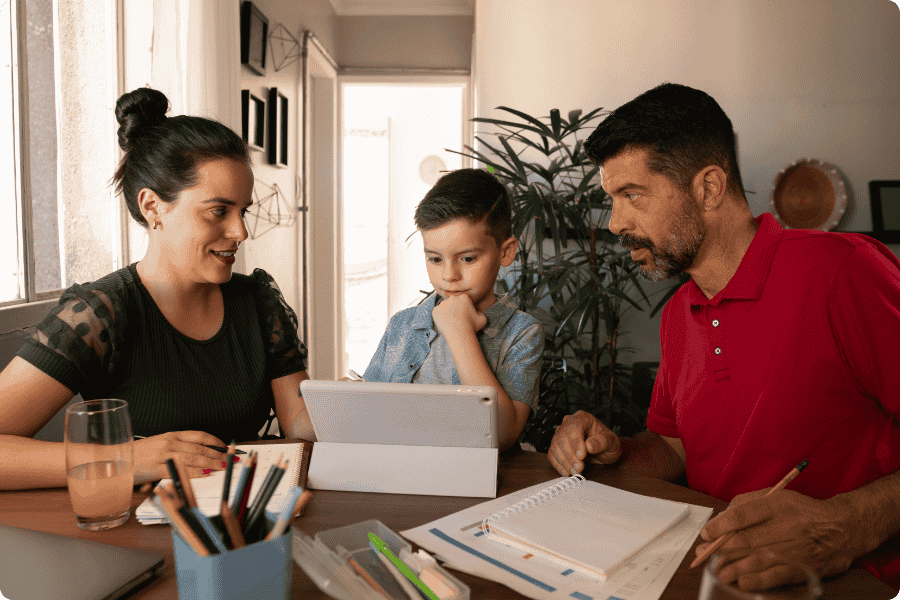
(458, 540)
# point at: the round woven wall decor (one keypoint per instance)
(809, 194)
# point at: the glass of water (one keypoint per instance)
(713, 589)
(99, 462)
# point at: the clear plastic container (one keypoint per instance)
(352, 541)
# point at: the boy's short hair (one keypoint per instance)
(471, 194)
(682, 129)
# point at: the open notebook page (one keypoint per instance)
(592, 526)
(208, 490)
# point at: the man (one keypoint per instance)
(783, 346)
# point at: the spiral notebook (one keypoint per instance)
(208, 490)
(584, 525)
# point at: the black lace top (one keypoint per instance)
(108, 339)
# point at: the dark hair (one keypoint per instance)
(682, 129)
(163, 154)
(470, 194)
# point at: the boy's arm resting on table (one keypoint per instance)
(290, 408)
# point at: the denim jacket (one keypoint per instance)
(512, 342)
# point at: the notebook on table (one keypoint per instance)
(46, 566)
(584, 525)
(208, 490)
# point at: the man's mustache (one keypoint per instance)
(633, 242)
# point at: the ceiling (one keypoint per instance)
(403, 7)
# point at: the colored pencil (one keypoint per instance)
(229, 466)
(232, 526)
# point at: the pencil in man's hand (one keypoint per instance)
(780, 486)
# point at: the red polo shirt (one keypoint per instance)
(797, 358)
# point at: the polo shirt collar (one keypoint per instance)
(497, 315)
(749, 280)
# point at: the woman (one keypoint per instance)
(200, 355)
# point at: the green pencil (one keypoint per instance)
(383, 548)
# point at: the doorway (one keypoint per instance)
(395, 137)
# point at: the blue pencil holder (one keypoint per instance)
(260, 570)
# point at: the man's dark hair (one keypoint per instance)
(470, 194)
(682, 129)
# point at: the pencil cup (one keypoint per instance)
(263, 569)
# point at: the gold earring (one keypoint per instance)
(155, 224)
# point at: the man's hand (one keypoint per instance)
(787, 527)
(457, 315)
(186, 447)
(579, 436)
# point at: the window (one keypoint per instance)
(58, 216)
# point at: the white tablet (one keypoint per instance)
(407, 414)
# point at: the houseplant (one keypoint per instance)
(569, 273)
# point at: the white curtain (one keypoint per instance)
(190, 51)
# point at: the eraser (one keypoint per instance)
(438, 584)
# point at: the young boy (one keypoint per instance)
(463, 333)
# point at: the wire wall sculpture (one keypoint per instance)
(285, 47)
(270, 209)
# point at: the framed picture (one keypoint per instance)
(885, 199)
(254, 33)
(278, 128)
(253, 120)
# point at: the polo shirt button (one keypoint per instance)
(412, 365)
(718, 351)
(715, 322)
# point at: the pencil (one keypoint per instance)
(242, 507)
(232, 526)
(176, 480)
(217, 448)
(186, 484)
(305, 497)
(241, 487)
(178, 522)
(229, 466)
(258, 511)
(368, 578)
(287, 512)
(780, 486)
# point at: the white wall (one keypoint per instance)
(418, 42)
(799, 78)
(275, 251)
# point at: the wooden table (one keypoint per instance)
(50, 510)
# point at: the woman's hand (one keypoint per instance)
(185, 447)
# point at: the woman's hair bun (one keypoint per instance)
(138, 110)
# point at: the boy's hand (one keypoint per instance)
(457, 314)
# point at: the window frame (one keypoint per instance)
(22, 167)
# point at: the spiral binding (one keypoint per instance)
(532, 501)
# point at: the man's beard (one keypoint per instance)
(678, 252)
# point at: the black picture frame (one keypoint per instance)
(253, 120)
(278, 128)
(884, 197)
(254, 34)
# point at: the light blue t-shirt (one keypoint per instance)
(512, 342)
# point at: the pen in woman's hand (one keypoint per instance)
(356, 375)
(222, 449)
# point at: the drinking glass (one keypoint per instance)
(99, 462)
(713, 589)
